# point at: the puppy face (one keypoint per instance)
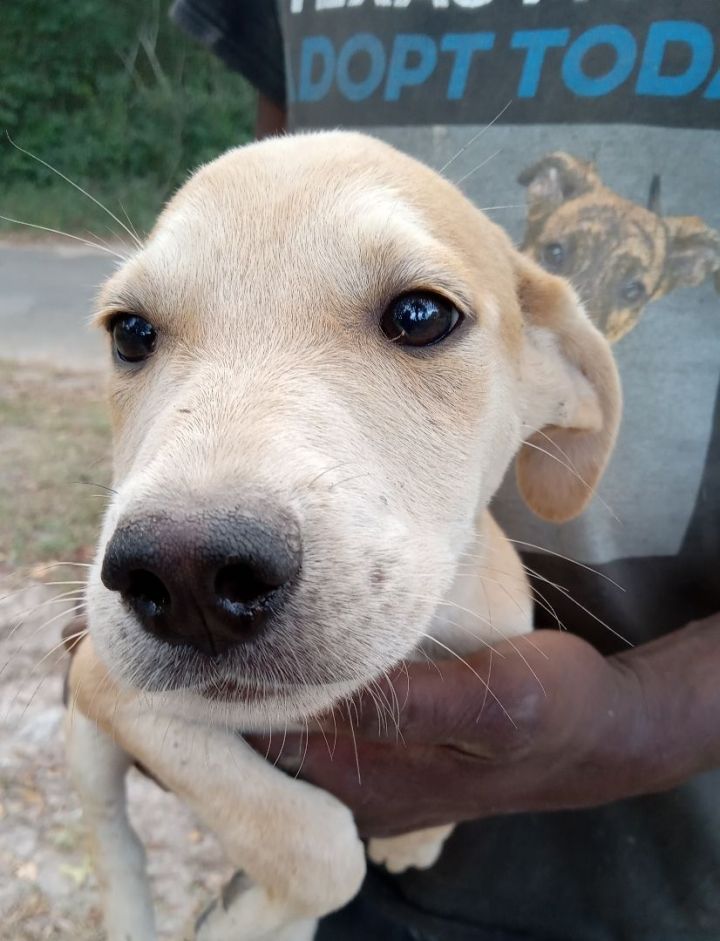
(324, 360)
(618, 255)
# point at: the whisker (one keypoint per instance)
(531, 545)
(567, 594)
(478, 167)
(355, 747)
(282, 746)
(125, 213)
(83, 565)
(568, 466)
(27, 587)
(22, 618)
(42, 627)
(503, 636)
(559, 555)
(325, 739)
(509, 206)
(346, 480)
(441, 602)
(93, 483)
(67, 235)
(76, 186)
(475, 137)
(75, 636)
(36, 690)
(327, 470)
(305, 750)
(475, 673)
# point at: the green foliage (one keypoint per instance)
(115, 96)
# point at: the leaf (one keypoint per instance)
(79, 874)
(28, 871)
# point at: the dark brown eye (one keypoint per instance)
(633, 291)
(134, 338)
(419, 318)
(553, 256)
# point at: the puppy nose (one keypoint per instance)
(211, 581)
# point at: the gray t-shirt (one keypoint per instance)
(590, 128)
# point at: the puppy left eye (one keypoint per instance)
(420, 318)
(134, 338)
(633, 291)
(553, 256)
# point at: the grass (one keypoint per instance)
(54, 450)
(60, 206)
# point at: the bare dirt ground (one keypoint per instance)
(52, 435)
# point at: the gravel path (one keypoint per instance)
(47, 887)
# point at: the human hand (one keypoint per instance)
(542, 723)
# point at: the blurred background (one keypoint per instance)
(114, 97)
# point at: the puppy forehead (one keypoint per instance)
(364, 212)
(243, 229)
(272, 224)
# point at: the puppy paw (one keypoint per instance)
(214, 921)
(418, 850)
(298, 931)
(244, 912)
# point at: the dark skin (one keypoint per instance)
(269, 119)
(575, 729)
(605, 728)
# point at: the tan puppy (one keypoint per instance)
(325, 359)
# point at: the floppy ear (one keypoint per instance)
(693, 254)
(571, 397)
(552, 181)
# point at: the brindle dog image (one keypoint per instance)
(618, 254)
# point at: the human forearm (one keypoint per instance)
(562, 727)
(270, 118)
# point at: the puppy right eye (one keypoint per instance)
(134, 338)
(553, 256)
(420, 318)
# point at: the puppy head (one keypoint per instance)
(618, 254)
(324, 360)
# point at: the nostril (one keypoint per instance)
(240, 584)
(146, 593)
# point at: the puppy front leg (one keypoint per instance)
(98, 767)
(298, 844)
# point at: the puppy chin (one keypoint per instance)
(272, 710)
(175, 680)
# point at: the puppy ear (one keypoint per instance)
(552, 181)
(693, 254)
(571, 397)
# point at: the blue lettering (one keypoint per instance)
(652, 82)
(463, 45)
(713, 90)
(537, 42)
(401, 74)
(588, 86)
(358, 90)
(309, 88)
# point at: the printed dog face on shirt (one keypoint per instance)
(618, 255)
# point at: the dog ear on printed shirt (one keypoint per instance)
(552, 181)
(572, 398)
(693, 254)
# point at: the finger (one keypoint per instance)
(389, 789)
